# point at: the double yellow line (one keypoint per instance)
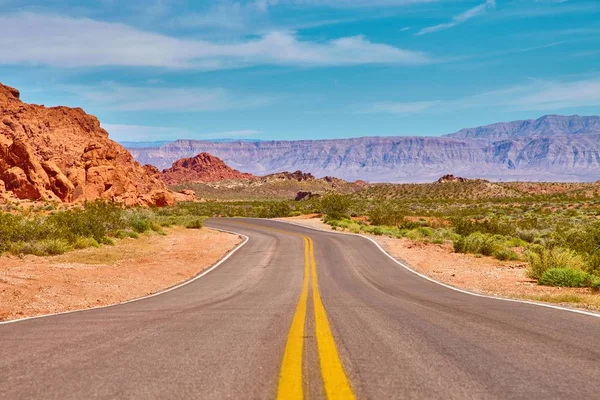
(335, 380)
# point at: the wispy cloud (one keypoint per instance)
(545, 96)
(41, 39)
(461, 18)
(547, 10)
(555, 95)
(115, 97)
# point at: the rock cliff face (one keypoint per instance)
(62, 154)
(552, 148)
(201, 168)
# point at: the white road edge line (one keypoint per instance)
(589, 313)
(221, 261)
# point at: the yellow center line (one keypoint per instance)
(334, 377)
(290, 376)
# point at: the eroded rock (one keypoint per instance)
(63, 154)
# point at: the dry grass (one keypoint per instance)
(590, 301)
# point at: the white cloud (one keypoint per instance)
(461, 18)
(112, 96)
(41, 39)
(555, 95)
(545, 96)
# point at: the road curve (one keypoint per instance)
(297, 312)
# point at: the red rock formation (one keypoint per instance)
(62, 154)
(202, 168)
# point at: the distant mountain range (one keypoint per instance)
(551, 148)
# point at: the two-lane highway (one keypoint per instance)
(301, 313)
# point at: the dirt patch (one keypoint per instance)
(107, 275)
(475, 273)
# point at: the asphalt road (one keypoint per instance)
(301, 313)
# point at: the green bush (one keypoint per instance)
(495, 246)
(506, 255)
(541, 259)
(84, 243)
(563, 277)
(335, 206)
(46, 247)
(196, 223)
(466, 226)
(140, 225)
(594, 283)
(386, 214)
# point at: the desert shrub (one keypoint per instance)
(593, 263)
(386, 214)
(505, 254)
(84, 243)
(408, 225)
(528, 235)
(419, 233)
(274, 210)
(495, 246)
(96, 219)
(46, 247)
(466, 226)
(335, 206)
(542, 258)
(196, 223)
(54, 247)
(140, 225)
(378, 230)
(594, 283)
(563, 277)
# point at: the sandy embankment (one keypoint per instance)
(107, 275)
(474, 273)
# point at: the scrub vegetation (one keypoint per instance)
(46, 231)
(553, 228)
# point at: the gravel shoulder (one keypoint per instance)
(107, 275)
(478, 274)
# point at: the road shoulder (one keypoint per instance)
(95, 277)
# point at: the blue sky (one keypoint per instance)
(303, 69)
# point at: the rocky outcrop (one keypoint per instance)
(201, 168)
(291, 176)
(306, 196)
(62, 154)
(449, 178)
(550, 148)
